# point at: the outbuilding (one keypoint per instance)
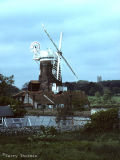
(5, 112)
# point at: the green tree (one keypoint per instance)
(6, 85)
(6, 91)
(107, 95)
(17, 108)
(25, 86)
(103, 120)
(15, 105)
(79, 100)
(97, 94)
(43, 108)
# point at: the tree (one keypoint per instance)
(103, 120)
(25, 86)
(17, 108)
(6, 91)
(79, 100)
(107, 95)
(6, 86)
(15, 105)
(97, 94)
(5, 83)
(43, 108)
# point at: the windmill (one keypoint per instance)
(50, 65)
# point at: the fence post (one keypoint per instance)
(5, 122)
(29, 121)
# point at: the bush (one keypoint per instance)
(4, 100)
(103, 120)
(17, 108)
(15, 105)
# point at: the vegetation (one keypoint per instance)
(73, 101)
(6, 86)
(104, 121)
(90, 88)
(99, 142)
(17, 109)
(25, 86)
(104, 101)
(71, 146)
(6, 91)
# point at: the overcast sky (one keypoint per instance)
(91, 37)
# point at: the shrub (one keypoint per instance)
(103, 120)
(18, 110)
(52, 130)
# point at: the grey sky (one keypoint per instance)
(91, 41)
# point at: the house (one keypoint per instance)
(40, 99)
(20, 96)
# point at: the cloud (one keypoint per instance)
(90, 42)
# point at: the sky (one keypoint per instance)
(91, 37)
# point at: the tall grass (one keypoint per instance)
(75, 145)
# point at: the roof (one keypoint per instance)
(35, 82)
(6, 111)
(20, 94)
(42, 97)
(49, 97)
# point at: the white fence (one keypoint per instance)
(45, 121)
(16, 122)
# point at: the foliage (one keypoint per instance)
(25, 86)
(97, 94)
(6, 91)
(106, 101)
(95, 101)
(43, 107)
(103, 120)
(73, 101)
(46, 134)
(107, 95)
(5, 101)
(18, 110)
(6, 86)
(90, 88)
(14, 104)
(79, 100)
(66, 146)
(67, 110)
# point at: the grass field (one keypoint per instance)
(65, 146)
(99, 102)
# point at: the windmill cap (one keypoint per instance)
(47, 55)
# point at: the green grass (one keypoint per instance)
(99, 102)
(66, 146)
(116, 99)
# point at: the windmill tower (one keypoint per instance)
(50, 65)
